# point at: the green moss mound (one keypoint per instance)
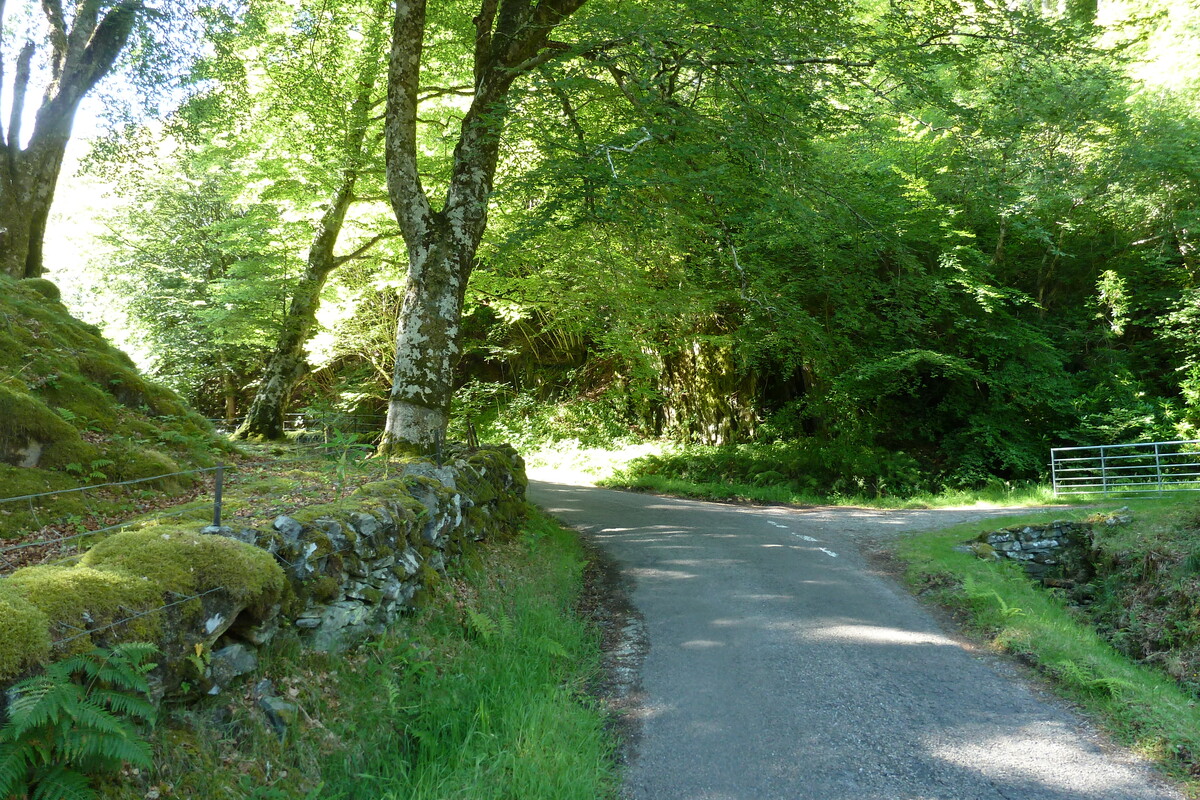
(116, 588)
(184, 562)
(24, 633)
(74, 412)
(43, 287)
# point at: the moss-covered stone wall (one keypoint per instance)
(332, 575)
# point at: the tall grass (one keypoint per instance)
(483, 695)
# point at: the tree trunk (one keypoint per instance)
(510, 40)
(229, 389)
(78, 59)
(287, 363)
(427, 336)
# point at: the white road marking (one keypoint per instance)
(829, 553)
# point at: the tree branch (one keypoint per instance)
(364, 247)
(83, 26)
(78, 75)
(2, 137)
(58, 34)
(788, 62)
(20, 86)
(458, 91)
(940, 38)
(483, 37)
(409, 202)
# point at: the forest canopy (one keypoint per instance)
(944, 235)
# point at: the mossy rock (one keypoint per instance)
(139, 463)
(181, 561)
(77, 598)
(72, 404)
(47, 289)
(24, 634)
(33, 514)
(105, 598)
(32, 435)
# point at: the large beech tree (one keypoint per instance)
(512, 37)
(83, 45)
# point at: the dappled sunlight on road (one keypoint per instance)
(1035, 754)
(874, 634)
(670, 574)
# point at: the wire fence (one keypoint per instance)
(343, 451)
(314, 425)
(64, 529)
(33, 504)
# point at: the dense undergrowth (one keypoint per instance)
(479, 694)
(1124, 646)
(806, 472)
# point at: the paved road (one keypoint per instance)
(779, 666)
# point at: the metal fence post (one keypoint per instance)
(217, 487)
(1158, 467)
(1103, 472)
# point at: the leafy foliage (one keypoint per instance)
(961, 233)
(77, 720)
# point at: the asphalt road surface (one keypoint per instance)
(778, 665)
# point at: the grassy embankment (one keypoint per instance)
(479, 694)
(1125, 646)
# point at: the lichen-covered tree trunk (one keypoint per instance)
(287, 363)
(510, 40)
(78, 58)
(427, 335)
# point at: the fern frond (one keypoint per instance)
(126, 704)
(551, 647)
(505, 624)
(14, 767)
(89, 715)
(101, 752)
(46, 703)
(61, 783)
(484, 626)
(58, 730)
(137, 654)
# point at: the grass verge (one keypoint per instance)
(1140, 705)
(479, 694)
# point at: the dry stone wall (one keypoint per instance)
(333, 575)
(1059, 552)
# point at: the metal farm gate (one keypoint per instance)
(1126, 468)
